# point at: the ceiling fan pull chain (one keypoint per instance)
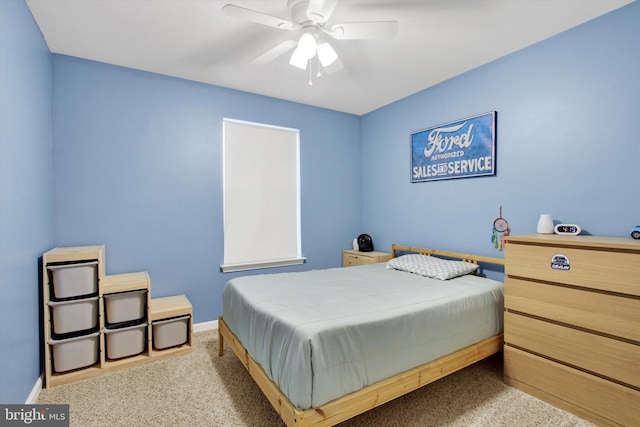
(310, 73)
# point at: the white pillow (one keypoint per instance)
(430, 266)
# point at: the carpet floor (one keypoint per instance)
(203, 389)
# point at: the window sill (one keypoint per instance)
(230, 268)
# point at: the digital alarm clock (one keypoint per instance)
(567, 229)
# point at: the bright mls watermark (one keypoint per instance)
(34, 415)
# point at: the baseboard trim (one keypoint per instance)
(35, 392)
(37, 388)
(205, 326)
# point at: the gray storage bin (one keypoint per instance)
(74, 280)
(74, 353)
(123, 342)
(125, 306)
(74, 315)
(170, 332)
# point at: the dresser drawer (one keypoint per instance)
(606, 313)
(591, 397)
(615, 271)
(595, 353)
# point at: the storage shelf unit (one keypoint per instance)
(108, 285)
(572, 324)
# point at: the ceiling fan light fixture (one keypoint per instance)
(326, 54)
(334, 67)
(307, 45)
(299, 59)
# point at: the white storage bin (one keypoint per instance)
(73, 280)
(123, 342)
(170, 332)
(74, 315)
(74, 353)
(125, 306)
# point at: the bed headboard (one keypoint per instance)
(476, 259)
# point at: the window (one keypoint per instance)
(261, 196)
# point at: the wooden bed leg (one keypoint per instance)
(220, 339)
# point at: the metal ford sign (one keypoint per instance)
(462, 149)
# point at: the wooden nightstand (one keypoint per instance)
(351, 257)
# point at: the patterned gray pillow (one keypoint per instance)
(431, 266)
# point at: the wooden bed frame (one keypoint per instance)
(376, 394)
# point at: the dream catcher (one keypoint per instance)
(500, 231)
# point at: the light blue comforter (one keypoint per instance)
(322, 334)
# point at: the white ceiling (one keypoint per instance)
(192, 39)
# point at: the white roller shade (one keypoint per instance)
(261, 196)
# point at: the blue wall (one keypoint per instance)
(567, 144)
(26, 195)
(138, 167)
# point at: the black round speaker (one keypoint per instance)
(365, 243)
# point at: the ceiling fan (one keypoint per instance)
(308, 20)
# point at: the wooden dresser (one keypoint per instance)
(351, 257)
(572, 324)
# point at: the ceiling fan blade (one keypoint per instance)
(275, 52)
(380, 30)
(320, 10)
(258, 17)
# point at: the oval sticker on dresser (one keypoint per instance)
(560, 262)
